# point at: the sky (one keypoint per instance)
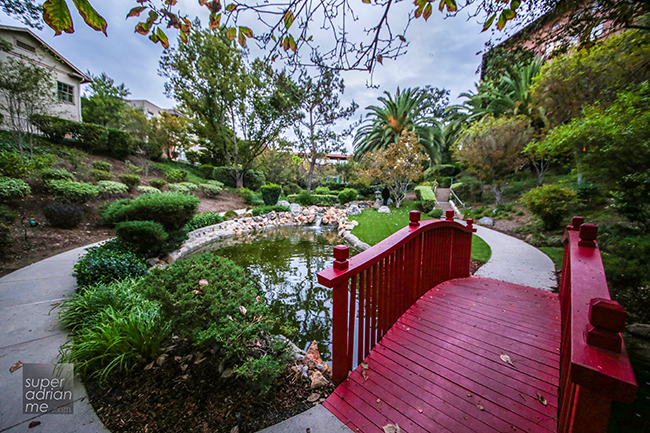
(442, 53)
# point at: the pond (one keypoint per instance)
(283, 263)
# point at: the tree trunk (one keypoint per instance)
(310, 174)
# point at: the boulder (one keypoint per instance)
(284, 203)
(639, 329)
(353, 210)
(383, 209)
(296, 209)
(313, 354)
(378, 203)
(486, 221)
(318, 380)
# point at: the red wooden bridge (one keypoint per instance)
(419, 343)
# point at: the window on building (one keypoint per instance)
(65, 92)
(25, 46)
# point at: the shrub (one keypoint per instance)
(92, 136)
(13, 164)
(108, 262)
(13, 188)
(207, 170)
(132, 168)
(426, 206)
(157, 183)
(72, 192)
(435, 213)
(325, 200)
(444, 181)
(250, 197)
(82, 308)
(211, 189)
(180, 189)
(253, 179)
(291, 188)
(142, 236)
(65, 216)
(54, 128)
(347, 195)
(229, 215)
(427, 198)
(304, 199)
(322, 190)
(176, 175)
(334, 186)
(266, 209)
(213, 316)
(550, 203)
(101, 165)
(442, 170)
(143, 189)
(204, 219)
(271, 193)
(172, 210)
(261, 373)
(98, 175)
(108, 187)
(131, 180)
(189, 185)
(119, 340)
(225, 175)
(55, 174)
(119, 143)
(7, 216)
(468, 190)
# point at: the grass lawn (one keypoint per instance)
(556, 254)
(374, 227)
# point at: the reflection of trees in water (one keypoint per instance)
(284, 263)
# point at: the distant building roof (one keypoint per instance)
(84, 78)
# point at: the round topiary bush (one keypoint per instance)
(98, 175)
(143, 236)
(550, 203)
(347, 195)
(64, 216)
(176, 175)
(72, 192)
(157, 183)
(270, 194)
(435, 213)
(111, 261)
(172, 210)
(143, 189)
(101, 165)
(211, 189)
(131, 180)
(108, 187)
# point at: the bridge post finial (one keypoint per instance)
(341, 254)
(470, 223)
(606, 322)
(576, 222)
(588, 235)
(449, 214)
(414, 218)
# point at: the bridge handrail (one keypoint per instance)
(595, 368)
(374, 288)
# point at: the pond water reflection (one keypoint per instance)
(283, 263)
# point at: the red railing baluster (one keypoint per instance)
(373, 289)
(594, 366)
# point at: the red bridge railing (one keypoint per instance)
(374, 288)
(595, 368)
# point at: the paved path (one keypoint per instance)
(515, 261)
(31, 334)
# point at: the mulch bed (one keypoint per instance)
(183, 396)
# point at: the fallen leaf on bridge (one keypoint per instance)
(379, 403)
(505, 358)
(419, 408)
(392, 428)
(541, 399)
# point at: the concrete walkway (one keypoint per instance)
(31, 333)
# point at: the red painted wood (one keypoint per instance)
(339, 331)
(591, 377)
(433, 369)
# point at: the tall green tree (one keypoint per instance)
(242, 106)
(105, 104)
(25, 89)
(320, 108)
(384, 124)
(170, 132)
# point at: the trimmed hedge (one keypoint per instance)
(107, 187)
(61, 215)
(267, 209)
(271, 193)
(68, 191)
(426, 197)
(203, 220)
(98, 175)
(108, 262)
(131, 180)
(144, 236)
(211, 189)
(157, 183)
(347, 195)
(172, 210)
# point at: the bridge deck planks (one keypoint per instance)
(439, 366)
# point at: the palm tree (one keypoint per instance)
(384, 124)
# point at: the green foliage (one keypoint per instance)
(98, 175)
(119, 340)
(55, 174)
(13, 164)
(190, 186)
(322, 190)
(131, 180)
(101, 165)
(212, 317)
(171, 210)
(176, 175)
(347, 195)
(106, 104)
(106, 263)
(207, 170)
(261, 373)
(435, 213)
(65, 216)
(179, 188)
(132, 168)
(442, 170)
(225, 175)
(7, 218)
(157, 183)
(108, 187)
(229, 215)
(54, 128)
(427, 198)
(143, 237)
(250, 197)
(82, 308)
(291, 188)
(325, 200)
(254, 179)
(550, 203)
(13, 188)
(469, 190)
(266, 209)
(632, 198)
(212, 188)
(304, 199)
(203, 220)
(143, 189)
(271, 193)
(72, 192)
